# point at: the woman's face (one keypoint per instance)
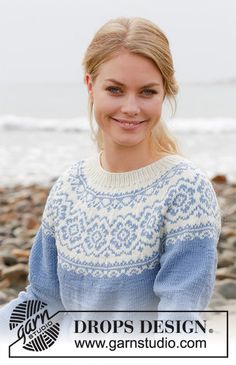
(127, 95)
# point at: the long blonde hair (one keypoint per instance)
(142, 37)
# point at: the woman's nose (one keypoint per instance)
(130, 105)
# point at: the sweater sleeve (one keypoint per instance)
(189, 245)
(43, 279)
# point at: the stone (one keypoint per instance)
(226, 259)
(23, 206)
(28, 245)
(3, 298)
(227, 232)
(32, 232)
(219, 179)
(225, 273)
(229, 191)
(6, 209)
(38, 211)
(9, 259)
(30, 222)
(7, 217)
(39, 198)
(3, 201)
(4, 284)
(227, 289)
(232, 242)
(11, 292)
(20, 232)
(4, 231)
(17, 196)
(20, 253)
(233, 269)
(11, 242)
(22, 260)
(15, 272)
(217, 300)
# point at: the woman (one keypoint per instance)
(136, 226)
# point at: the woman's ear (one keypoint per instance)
(89, 84)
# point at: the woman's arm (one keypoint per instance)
(43, 279)
(189, 245)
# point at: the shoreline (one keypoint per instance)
(21, 209)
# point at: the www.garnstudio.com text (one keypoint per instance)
(162, 343)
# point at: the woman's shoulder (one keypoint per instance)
(192, 184)
(72, 175)
(187, 177)
(181, 167)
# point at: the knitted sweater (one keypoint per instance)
(139, 240)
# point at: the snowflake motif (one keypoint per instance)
(183, 202)
(72, 231)
(124, 236)
(206, 195)
(96, 241)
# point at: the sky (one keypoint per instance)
(43, 41)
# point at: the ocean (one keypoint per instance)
(45, 128)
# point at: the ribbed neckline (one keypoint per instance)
(96, 175)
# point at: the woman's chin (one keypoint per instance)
(127, 142)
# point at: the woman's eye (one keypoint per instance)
(114, 89)
(148, 92)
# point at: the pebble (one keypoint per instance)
(14, 273)
(3, 298)
(217, 300)
(228, 289)
(20, 253)
(226, 258)
(8, 259)
(219, 179)
(5, 283)
(225, 273)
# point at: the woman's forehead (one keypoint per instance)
(125, 66)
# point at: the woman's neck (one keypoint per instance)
(121, 161)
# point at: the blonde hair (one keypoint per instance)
(142, 37)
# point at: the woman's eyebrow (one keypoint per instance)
(120, 83)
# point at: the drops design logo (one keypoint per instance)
(34, 326)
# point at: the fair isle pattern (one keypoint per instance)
(108, 233)
(101, 272)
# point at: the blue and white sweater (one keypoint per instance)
(139, 240)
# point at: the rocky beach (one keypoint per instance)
(21, 209)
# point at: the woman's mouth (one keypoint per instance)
(128, 124)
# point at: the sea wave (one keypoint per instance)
(17, 123)
(80, 124)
